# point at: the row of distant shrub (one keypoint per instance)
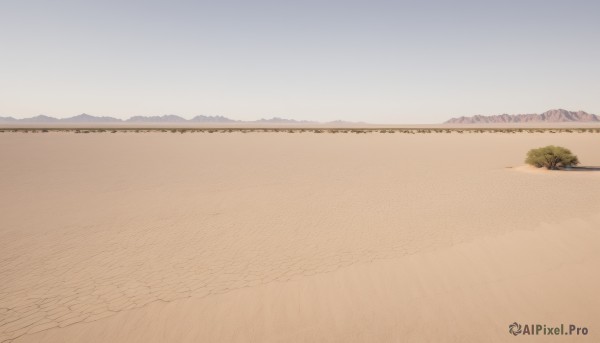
(312, 130)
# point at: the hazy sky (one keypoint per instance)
(376, 61)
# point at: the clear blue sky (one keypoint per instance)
(375, 61)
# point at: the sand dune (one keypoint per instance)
(293, 237)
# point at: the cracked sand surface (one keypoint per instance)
(99, 224)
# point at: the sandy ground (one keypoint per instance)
(266, 237)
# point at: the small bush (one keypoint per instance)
(552, 157)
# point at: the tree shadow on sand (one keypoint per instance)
(582, 168)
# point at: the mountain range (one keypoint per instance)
(170, 118)
(551, 116)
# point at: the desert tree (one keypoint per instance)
(552, 157)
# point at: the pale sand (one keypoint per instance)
(157, 237)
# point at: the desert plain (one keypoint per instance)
(295, 237)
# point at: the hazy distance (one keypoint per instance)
(371, 61)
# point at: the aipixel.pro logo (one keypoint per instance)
(516, 329)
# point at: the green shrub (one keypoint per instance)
(552, 157)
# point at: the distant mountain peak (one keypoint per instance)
(211, 119)
(167, 118)
(552, 116)
(86, 118)
(40, 118)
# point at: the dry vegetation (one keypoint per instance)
(309, 130)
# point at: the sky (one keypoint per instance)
(373, 61)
